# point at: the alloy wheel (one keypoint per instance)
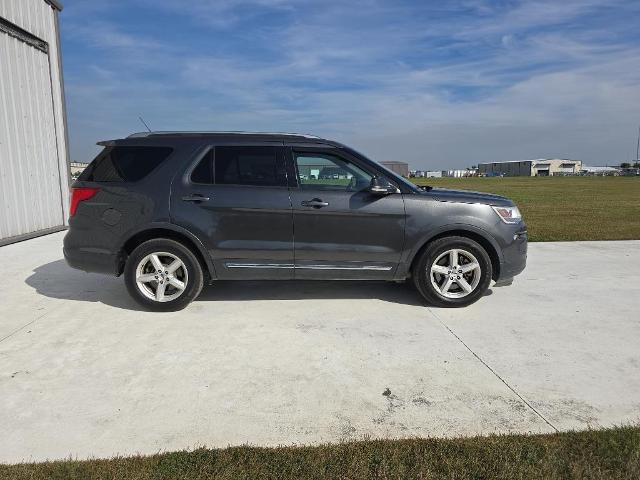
(161, 276)
(455, 273)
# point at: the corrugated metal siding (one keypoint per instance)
(30, 15)
(33, 148)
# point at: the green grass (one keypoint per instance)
(602, 454)
(565, 208)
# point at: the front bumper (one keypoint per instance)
(514, 256)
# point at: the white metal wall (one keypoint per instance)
(34, 168)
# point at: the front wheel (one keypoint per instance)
(452, 272)
(163, 275)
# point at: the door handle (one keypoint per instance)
(195, 198)
(315, 203)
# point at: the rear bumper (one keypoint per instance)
(89, 259)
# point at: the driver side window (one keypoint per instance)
(322, 171)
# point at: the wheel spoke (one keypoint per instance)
(157, 264)
(176, 264)
(453, 258)
(147, 277)
(177, 283)
(157, 271)
(446, 285)
(160, 291)
(464, 285)
(455, 282)
(469, 267)
(440, 269)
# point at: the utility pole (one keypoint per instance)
(638, 147)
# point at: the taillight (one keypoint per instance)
(80, 195)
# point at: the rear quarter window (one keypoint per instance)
(125, 164)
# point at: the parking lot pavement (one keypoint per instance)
(84, 372)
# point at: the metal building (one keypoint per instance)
(34, 166)
(542, 167)
(401, 168)
(459, 173)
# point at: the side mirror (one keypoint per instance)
(381, 186)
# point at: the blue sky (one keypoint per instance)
(440, 84)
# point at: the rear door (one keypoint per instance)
(341, 230)
(236, 200)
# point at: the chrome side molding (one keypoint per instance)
(258, 265)
(343, 267)
(377, 268)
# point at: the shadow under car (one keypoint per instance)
(58, 280)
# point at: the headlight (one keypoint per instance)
(508, 214)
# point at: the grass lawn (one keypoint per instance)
(565, 208)
(597, 454)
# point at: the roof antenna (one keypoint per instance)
(144, 123)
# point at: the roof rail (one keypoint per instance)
(159, 133)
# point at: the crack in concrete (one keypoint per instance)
(494, 372)
(27, 324)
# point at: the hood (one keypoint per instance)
(466, 196)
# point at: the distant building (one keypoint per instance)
(630, 172)
(467, 172)
(600, 171)
(77, 168)
(401, 168)
(433, 174)
(542, 167)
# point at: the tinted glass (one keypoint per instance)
(398, 179)
(330, 172)
(125, 164)
(203, 173)
(249, 166)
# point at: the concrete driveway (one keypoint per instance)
(83, 372)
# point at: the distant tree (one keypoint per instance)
(636, 165)
(625, 165)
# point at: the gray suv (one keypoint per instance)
(173, 210)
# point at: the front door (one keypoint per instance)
(341, 230)
(236, 200)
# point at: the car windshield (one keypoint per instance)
(391, 174)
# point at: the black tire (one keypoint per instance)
(194, 275)
(422, 272)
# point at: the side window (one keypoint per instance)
(125, 164)
(249, 166)
(329, 172)
(203, 173)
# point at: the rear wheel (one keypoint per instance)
(163, 275)
(452, 272)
